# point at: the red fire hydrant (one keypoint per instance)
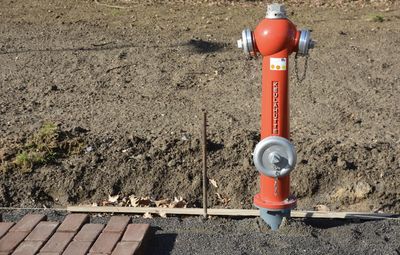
(275, 38)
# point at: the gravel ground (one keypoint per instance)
(195, 235)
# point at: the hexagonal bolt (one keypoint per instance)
(274, 158)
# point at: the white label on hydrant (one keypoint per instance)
(277, 64)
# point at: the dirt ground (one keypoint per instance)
(131, 83)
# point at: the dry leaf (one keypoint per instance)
(222, 200)
(178, 199)
(163, 214)
(113, 199)
(147, 215)
(144, 201)
(134, 200)
(178, 202)
(213, 182)
(106, 203)
(162, 202)
(140, 202)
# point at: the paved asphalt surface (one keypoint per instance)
(195, 235)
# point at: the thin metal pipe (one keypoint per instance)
(205, 179)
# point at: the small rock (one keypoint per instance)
(321, 208)
(138, 157)
(49, 104)
(185, 137)
(362, 189)
(171, 163)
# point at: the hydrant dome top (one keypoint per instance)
(274, 35)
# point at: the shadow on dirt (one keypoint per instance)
(198, 45)
(203, 47)
(212, 146)
(325, 224)
(93, 47)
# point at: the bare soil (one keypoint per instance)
(130, 83)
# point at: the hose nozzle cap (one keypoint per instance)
(246, 43)
(305, 42)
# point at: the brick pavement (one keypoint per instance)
(33, 234)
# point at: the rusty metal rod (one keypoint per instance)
(205, 178)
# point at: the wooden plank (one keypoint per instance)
(229, 212)
(343, 215)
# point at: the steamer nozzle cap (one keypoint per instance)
(274, 156)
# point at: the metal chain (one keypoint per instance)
(296, 69)
(277, 174)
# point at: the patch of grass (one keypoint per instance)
(45, 146)
(25, 161)
(115, 12)
(46, 138)
(377, 18)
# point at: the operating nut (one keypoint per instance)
(276, 11)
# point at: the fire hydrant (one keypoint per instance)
(275, 38)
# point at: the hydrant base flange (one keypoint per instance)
(288, 203)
